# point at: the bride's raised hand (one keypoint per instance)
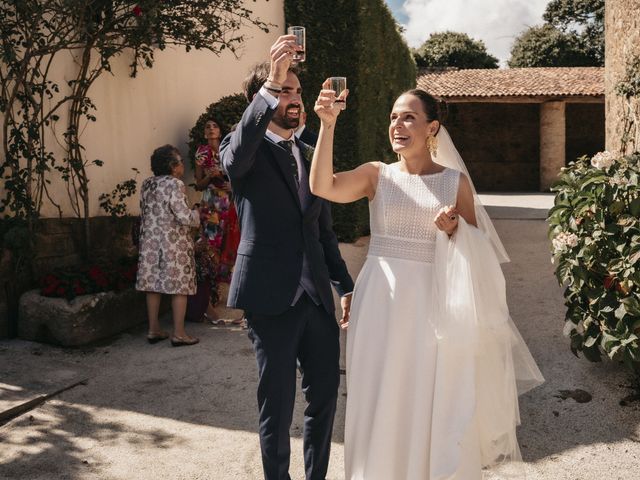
(326, 107)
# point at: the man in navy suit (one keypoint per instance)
(287, 259)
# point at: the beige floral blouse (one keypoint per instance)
(166, 263)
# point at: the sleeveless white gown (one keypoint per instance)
(391, 430)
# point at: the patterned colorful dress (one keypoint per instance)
(222, 232)
(166, 263)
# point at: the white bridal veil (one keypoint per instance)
(478, 344)
(447, 155)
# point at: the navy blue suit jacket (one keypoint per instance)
(309, 137)
(275, 231)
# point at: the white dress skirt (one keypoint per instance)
(411, 402)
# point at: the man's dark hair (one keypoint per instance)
(256, 78)
(163, 159)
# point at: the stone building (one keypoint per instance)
(515, 128)
(622, 44)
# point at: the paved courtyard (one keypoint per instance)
(153, 412)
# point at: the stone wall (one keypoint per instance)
(59, 243)
(499, 142)
(622, 43)
(585, 129)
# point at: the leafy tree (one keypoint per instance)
(572, 36)
(585, 18)
(547, 46)
(453, 49)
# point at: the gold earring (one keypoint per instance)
(432, 144)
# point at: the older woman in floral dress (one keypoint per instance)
(166, 263)
(221, 231)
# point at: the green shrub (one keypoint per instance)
(595, 231)
(360, 40)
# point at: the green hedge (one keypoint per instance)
(358, 39)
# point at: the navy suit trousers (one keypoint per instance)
(307, 333)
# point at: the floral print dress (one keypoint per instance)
(222, 232)
(166, 263)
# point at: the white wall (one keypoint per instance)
(135, 115)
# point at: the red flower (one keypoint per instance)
(95, 272)
(609, 282)
(49, 290)
(78, 290)
(60, 291)
(137, 11)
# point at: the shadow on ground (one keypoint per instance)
(142, 398)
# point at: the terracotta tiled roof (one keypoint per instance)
(514, 82)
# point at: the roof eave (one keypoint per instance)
(523, 98)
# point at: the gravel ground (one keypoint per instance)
(152, 411)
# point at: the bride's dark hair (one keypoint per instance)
(430, 104)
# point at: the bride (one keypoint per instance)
(434, 362)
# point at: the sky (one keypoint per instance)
(496, 22)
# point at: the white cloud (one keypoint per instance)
(496, 22)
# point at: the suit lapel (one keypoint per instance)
(307, 151)
(281, 157)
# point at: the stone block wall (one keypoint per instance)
(59, 243)
(499, 142)
(585, 129)
(622, 43)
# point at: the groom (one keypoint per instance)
(287, 258)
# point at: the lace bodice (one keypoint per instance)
(403, 209)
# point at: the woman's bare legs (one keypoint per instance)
(153, 310)
(178, 311)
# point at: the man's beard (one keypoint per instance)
(283, 121)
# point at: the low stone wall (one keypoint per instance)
(84, 320)
(59, 243)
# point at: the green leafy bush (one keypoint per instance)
(595, 231)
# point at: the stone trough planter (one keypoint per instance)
(84, 320)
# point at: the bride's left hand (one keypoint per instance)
(326, 107)
(447, 219)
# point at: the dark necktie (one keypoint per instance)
(288, 146)
(306, 278)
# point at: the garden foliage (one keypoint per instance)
(595, 232)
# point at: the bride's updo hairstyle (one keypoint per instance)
(430, 104)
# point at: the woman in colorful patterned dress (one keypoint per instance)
(222, 231)
(166, 263)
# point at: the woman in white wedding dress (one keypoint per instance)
(434, 363)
